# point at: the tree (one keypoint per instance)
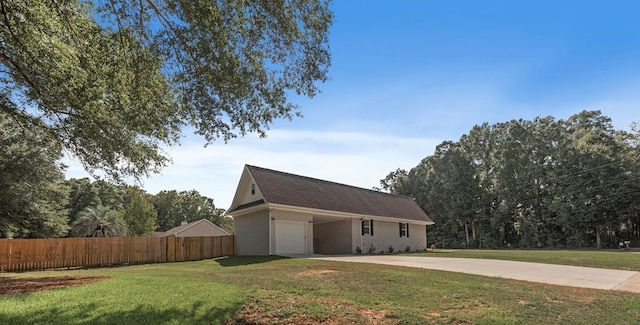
(112, 82)
(454, 190)
(166, 204)
(175, 207)
(393, 180)
(598, 178)
(32, 192)
(111, 194)
(99, 221)
(139, 213)
(82, 194)
(537, 183)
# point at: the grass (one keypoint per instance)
(619, 260)
(269, 290)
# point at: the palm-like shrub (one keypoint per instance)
(99, 221)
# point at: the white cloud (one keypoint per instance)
(359, 159)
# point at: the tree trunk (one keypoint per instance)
(598, 239)
(473, 231)
(466, 232)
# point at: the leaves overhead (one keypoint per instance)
(114, 81)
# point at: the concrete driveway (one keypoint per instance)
(564, 275)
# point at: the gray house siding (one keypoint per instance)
(252, 233)
(387, 235)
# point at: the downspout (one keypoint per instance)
(270, 220)
(360, 232)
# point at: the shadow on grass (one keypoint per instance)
(246, 260)
(143, 314)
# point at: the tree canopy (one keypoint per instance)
(537, 183)
(32, 190)
(174, 207)
(112, 82)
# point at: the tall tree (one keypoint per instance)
(139, 213)
(111, 194)
(392, 182)
(167, 205)
(631, 217)
(82, 194)
(537, 183)
(479, 146)
(597, 178)
(32, 190)
(186, 206)
(113, 82)
(455, 191)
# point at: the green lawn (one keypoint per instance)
(291, 291)
(620, 260)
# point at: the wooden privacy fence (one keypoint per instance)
(51, 253)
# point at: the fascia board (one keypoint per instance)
(343, 214)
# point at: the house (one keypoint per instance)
(200, 228)
(279, 213)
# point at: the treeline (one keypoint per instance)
(543, 183)
(36, 200)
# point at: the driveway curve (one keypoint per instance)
(564, 275)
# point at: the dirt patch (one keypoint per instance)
(292, 309)
(10, 285)
(315, 273)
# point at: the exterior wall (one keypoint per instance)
(291, 216)
(255, 234)
(202, 229)
(333, 237)
(252, 233)
(387, 234)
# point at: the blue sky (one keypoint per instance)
(407, 75)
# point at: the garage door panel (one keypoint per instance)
(290, 237)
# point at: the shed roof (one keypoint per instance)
(301, 191)
(176, 230)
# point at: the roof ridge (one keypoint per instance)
(326, 181)
(185, 226)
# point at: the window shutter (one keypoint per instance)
(362, 226)
(400, 224)
(407, 230)
(371, 227)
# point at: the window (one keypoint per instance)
(367, 227)
(404, 229)
(253, 189)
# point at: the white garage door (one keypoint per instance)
(290, 237)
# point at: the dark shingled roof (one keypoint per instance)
(294, 190)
